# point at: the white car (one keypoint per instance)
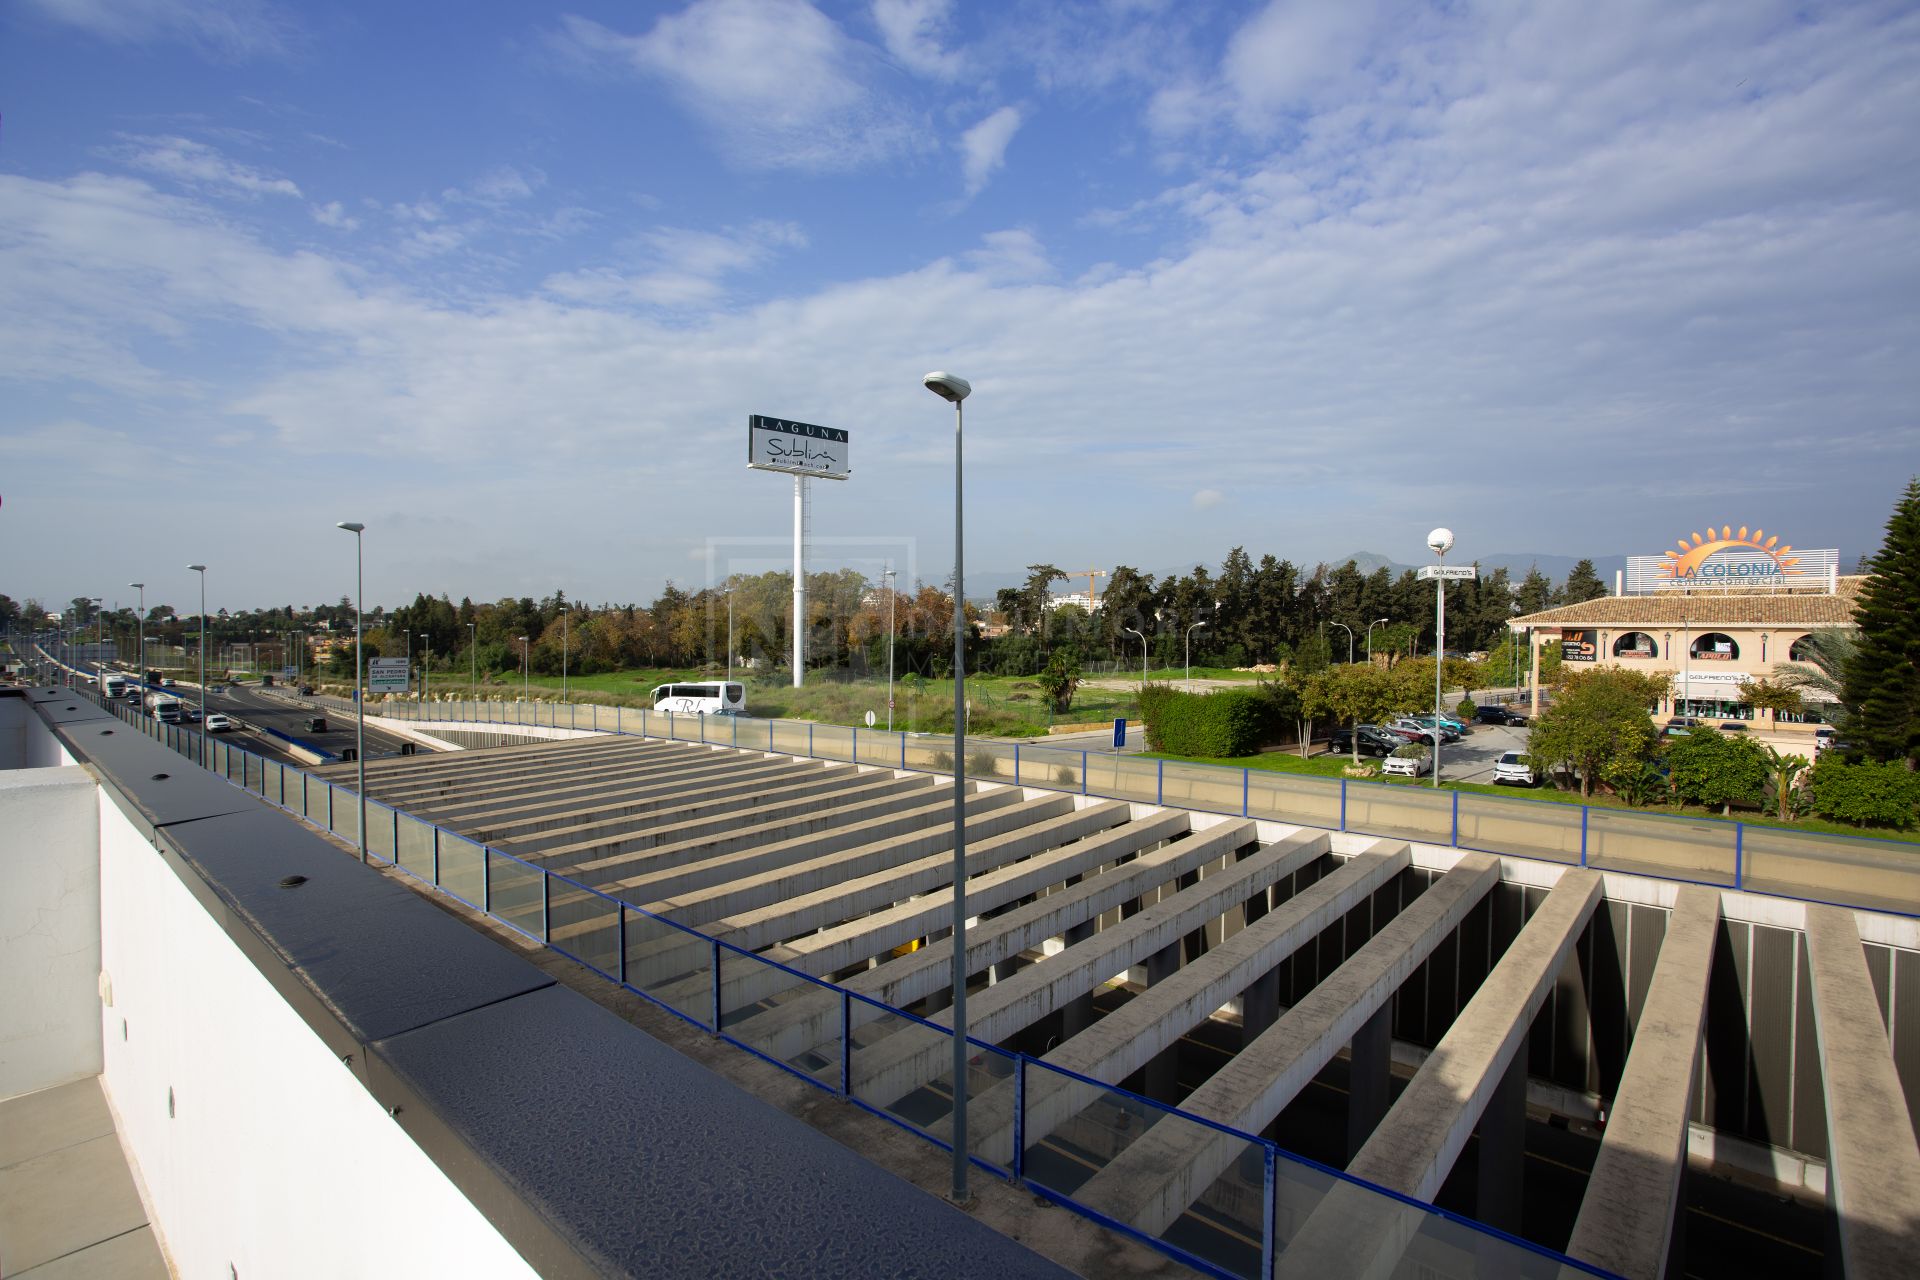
(1412, 760)
(1512, 767)
(219, 722)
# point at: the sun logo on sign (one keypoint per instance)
(1686, 562)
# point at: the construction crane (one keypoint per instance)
(1093, 598)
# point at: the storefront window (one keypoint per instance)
(1715, 647)
(1635, 644)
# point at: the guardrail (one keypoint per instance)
(1249, 1212)
(1853, 871)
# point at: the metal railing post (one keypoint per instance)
(1083, 772)
(1020, 1115)
(1016, 764)
(486, 880)
(1455, 841)
(394, 848)
(1584, 811)
(1246, 789)
(436, 856)
(623, 944)
(846, 1043)
(546, 908)
(716, 986)
(1159, 781)
(809, 739)
(1343, 804)
(1269, 1162)
(1739, 853)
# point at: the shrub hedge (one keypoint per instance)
(1231, 722)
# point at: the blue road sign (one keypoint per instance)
(1119, 733)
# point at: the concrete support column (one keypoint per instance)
(1503, 1148)
(1370, 1077)
(1077, 1014)
(1163, 1079)
(1259, 1006)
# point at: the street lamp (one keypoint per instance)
(955, 389)
(142, 620)
(202, 571)
(408, 633)
(1190, 631)
(526, 694)
(1143, 655)
(566, 612)
(1440, 541)
(886, 576)
(1349, 630)
(355, 528)
(1377, 622)
(473, 662)
(99, 637)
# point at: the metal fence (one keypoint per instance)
(1239, 1226)
(1853, 871)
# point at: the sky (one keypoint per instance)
(505, 281)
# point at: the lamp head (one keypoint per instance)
(197, 568)
(141, 585)
(948, 386)
(351, 526)
(1440, 541)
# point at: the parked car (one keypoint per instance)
(1410, 761)
(1512, 768)
(1417, 731)
(1373, 741)
(219, 722)
(1823, 739)
(1497, 714)
(1450, 730)
(306, 691)
(1680, 726)
(1734, 726)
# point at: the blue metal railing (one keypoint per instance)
(525, 897)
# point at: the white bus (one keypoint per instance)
(112, 685)
(704, 698)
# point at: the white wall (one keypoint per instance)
(275, 1162)
(49, 927)
(25, 740)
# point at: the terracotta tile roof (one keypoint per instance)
(1708, 608)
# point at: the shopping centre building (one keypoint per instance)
(1725, 609)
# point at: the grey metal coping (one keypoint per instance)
(593, 1148)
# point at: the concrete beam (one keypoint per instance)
(1415, 1148)
(835, 948)
(902, 1063)
(690, 794)
(1872, 1159)
(812, 1017)
(1151, 1184)
(1130, 1037)
(483, 778)
(458, 806)
(790, 900)
(1626, 1219)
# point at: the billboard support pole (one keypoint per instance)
(799, 580)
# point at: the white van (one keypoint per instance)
(704, 698)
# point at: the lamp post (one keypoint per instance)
(1440, 541)
(526, 694)
(566, 613)
(887, 576)
(99, 637)
(1134, 631)
(729, 632)
(1190, 631)
(355, 528)
(408, 633)
(141, 619)
(1349, 630)
(426, 668)
(202, 571)
(473, 661)
(955, 389)
(1377, 622)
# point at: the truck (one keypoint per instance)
(165, 708)
(112, 685)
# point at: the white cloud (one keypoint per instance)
(334, 214)
(1010, 256)
(231, 29)
(983, 148)
(778, 83)
(912, 30)
(198, 165)
(1207, 499)
(680, 267)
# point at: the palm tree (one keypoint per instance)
(1784, 770)
(1824, 671)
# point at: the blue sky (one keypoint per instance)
(504, 282)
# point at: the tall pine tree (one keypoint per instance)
(1583, 584)
(1883, 678)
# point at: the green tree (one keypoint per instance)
(1060, 678)
(1770, 696)
(1823, 667)
(1783, 773)
(1882, 690)
(1535, 594)
(1600, 724)
(1866, 794)
(1356, 694)
(1713, 768)
(1582, 584)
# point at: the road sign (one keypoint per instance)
(1119, 733)
(780, 444)
(870, 719)
(387, 675)
(1448, 571)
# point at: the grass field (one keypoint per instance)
(1001, 706)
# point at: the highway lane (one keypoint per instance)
(255, 708)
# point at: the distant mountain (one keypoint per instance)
(1516, 563)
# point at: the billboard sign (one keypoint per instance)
(1579, 644)
(801, 448)
(1727, 557)
(1447, 572)
(387, 675)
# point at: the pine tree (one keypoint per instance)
(1583, 584)
(1883, 679)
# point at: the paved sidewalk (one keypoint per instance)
(68, 1207)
